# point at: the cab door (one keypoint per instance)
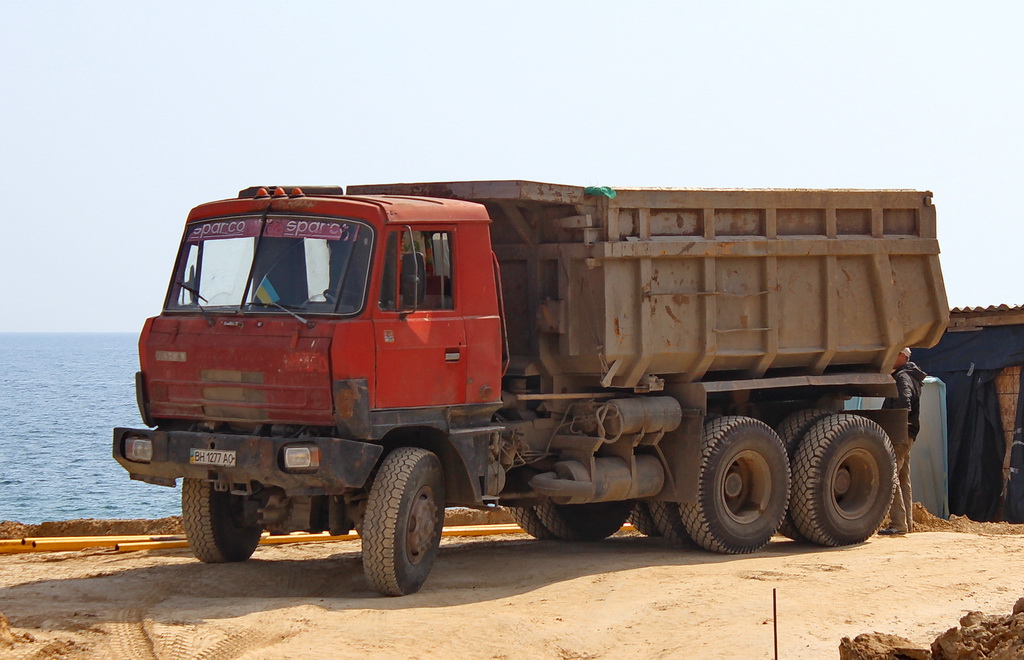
(420, 334)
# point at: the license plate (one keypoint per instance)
(218, 457)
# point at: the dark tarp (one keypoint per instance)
(1014, 511)
(968, 363)
(992, 348)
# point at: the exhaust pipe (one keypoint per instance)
(569, 483)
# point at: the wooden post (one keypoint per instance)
(1008, 391)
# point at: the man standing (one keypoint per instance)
(908, 377)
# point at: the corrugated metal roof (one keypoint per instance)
(966, 319)
(989, 309)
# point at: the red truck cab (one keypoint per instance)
(276, 299)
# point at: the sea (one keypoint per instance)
(61, 395)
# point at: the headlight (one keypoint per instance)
(299, 458)
(139, 450)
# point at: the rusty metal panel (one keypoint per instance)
(684, 284)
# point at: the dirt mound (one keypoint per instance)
(460, 516)
(12, 530)
(926, 522)
(93, 527)
(978, 636)
(881, 646)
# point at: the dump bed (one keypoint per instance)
(608, 287)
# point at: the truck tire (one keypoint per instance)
(743, 486)
(584, 522)
(792, 430)
(527, 518)
(403, 521)
(642, 519)
(844, 478)
(669, 520)
(213, 524)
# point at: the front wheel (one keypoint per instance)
(214, 525)
(403, 521)
(743, 487)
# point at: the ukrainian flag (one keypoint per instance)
(266, 293)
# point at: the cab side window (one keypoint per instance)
(437, 253)
(417, 271)
(389, 281)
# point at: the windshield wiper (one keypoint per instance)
(195, 292)
(271, 303)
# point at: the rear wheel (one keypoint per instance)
(527, 518)
(844, 478)
(584, 522)
(642, 519)
(789, 529)
(214, 525)
(792, 430)
(743, 487)
(669, 520)
(402, 525)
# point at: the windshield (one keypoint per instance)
(312, 265)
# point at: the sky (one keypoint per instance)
(117, 117)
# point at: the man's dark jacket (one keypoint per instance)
(908, 387)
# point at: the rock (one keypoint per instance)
(982, 636)
(972, 618)
(881, 646)
(7, 638)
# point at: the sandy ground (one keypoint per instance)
(508, 597)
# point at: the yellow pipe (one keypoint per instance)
(266, 540)
(60, 545)
(140, 542)
(150, 545)
(118, 539)
(305, 538)
(461, 530)
(15, 546)
(481, 530)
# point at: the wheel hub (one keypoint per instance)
(746, 487)
(842, 482)
(733, 485)
(420, 528)
(854, 484)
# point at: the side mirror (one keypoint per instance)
(414, 272)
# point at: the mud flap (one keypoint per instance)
(352, 408)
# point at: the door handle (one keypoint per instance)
(452, 354)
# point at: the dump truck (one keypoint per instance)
(678, 358)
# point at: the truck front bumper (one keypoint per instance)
(343, 464)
